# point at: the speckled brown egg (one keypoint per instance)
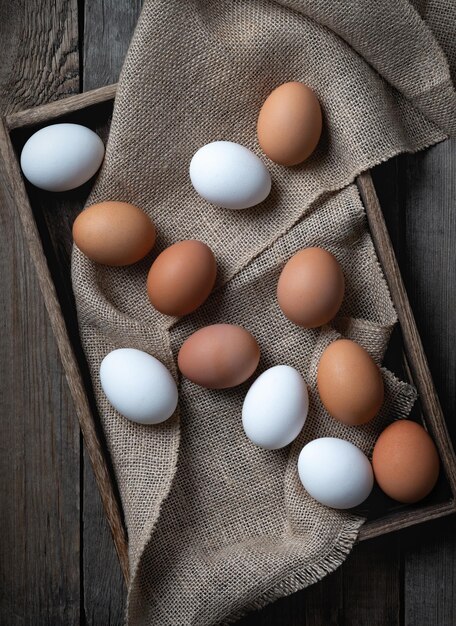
(311, 287)
(114, 233)
(350, 383)
(219, 356)
(405, 462)
(289, 125)
(182, 277)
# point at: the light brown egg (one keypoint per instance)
(289, 124)
(219, 356)
(350, 383)
(114, 233)
(311, 288)
(182, 277)
(405, 462)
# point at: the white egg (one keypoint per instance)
(229, 175)
(275, 407)
(62, 156)
(335, 472)
(138, 386)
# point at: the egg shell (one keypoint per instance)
(114, 233)
(335, 472)
(289, 124)
(275, 407)
(219, 356)
(349, 383)
(138, 385)
(61, 157)
(311, 288)
(406, 462)
(182, 277)
(229, 175)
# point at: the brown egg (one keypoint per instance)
(182, 277)
(405, 462)
(350, 383)
(289, 124)
(311, 288)
(114, 233)
(219, 356)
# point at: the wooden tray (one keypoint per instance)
(47, 220)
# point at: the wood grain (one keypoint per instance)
(323, 603)
(430, 219)
(429, 575)
(53, 110)
(40, 52)
(103, 583)
(421, 189)
(40, 441)
(429, 208)
(365, 590)
(372, 578)
(108, 29)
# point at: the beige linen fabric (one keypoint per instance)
(217, 526)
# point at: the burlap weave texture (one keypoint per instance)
(217, 526)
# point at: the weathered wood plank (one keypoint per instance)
(323, 603)
(429, 206)
(103, 583)
(372, 584)
(429, 575)
(422, 189)
(40, 442)
(430, 219)
(289, 611)
(108, 27)
(40, 59)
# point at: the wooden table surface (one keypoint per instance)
(57, 561)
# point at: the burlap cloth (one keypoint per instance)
(217, 526)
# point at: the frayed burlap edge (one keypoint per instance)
(311, 574)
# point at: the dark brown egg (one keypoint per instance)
(405, 462)
(350, 383)
(219, 356)
(289, 124)
(311, 287)
(182, 277)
